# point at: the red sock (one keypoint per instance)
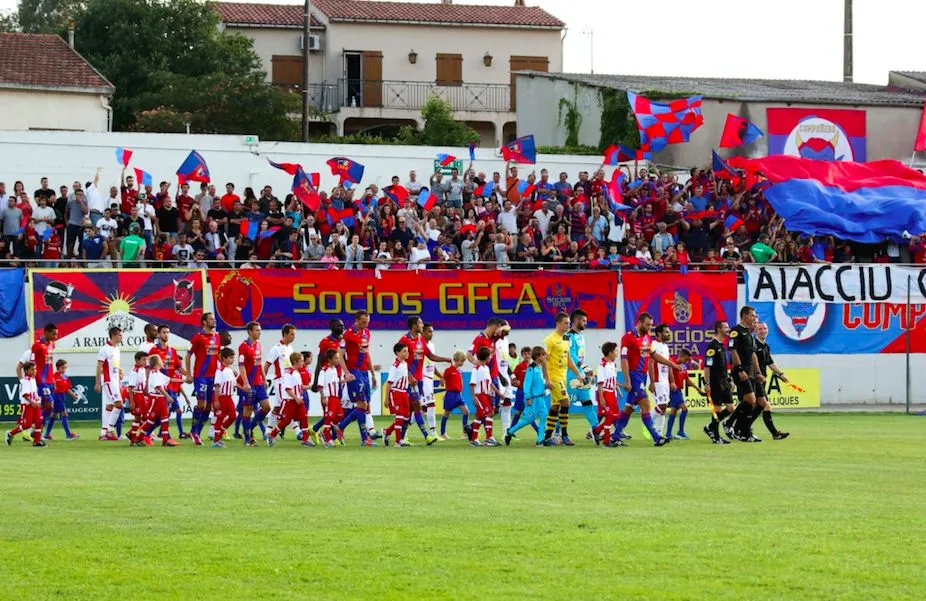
(218, 435)
(475, 435)
(326, 433)
(37, 434)
(16, 430)
(489, 427)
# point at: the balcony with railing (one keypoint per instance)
(406, 95)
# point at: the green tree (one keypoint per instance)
(618, 125)
(168, 57)
(46, 16)
(440, 128)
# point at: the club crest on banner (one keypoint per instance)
(820, 139)
(238, 300)
(58, 296)
(558, 298)
(799, 321)
(183, 297)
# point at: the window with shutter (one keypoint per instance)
(449, 70)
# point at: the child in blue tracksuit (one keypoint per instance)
(536, 396)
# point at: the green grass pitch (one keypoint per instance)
(835, 512)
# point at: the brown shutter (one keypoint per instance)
(449, 70)
(286, 71)
(525, 63)
(372, 69)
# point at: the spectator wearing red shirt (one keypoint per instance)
(129, 194)
(228, 199)
(918, 249)
(712, 261)
(51, 249)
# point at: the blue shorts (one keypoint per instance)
(519, 401)
(676, 399)
(637, 388)
(174, 400)
(204, 388)
(46, 392)
(452, 400)
(258, 393)
(416, 392)
(59, 405)
(359, 389)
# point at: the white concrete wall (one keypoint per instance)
(890, 131)
(24, 110)
(67, 156)
(844, 379)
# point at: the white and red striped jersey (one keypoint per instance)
(28, 391)
(146, 346)
(398, 376)
(109, 358)
(481, 380)
(292, 384)
(607, 375)
(662, 371)
(329, 383)
(136, 379)
(225, 382)
(278, 358)
(157, 379)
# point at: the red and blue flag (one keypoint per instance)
(193, 169)
(485, 190)
(346, 169)
(345, 216)
(722, 170)
(472, 151)
(525, 188)
(426, 199)
(522, 150)
(445, 159)
(664, 123)
(738, 131)
(143, 177)
(249, 229)
(862, 202)
(618, 153)
(398, 194)
(305, 190)
(290, 168)
(733, 222)
(123, 156)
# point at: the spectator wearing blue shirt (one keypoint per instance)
(697, 199)
(545, 189)
(599, 225)
(563, 188)
(93, 248)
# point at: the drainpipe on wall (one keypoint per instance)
(104, 102)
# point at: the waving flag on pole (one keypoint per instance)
(733, 223)
(346, 169)
(472, 151)
(445, 159)
(739, 132)
(525, 188)
(398, 194)
(521, 150)
(862, 202)
(614, 193)
(249, 229)
(305, 190)
(486, 190)
(618, 153)
(345, 215)
(426, 199)
(123, 156)
(664, 123)
(290, 168)
(193, 169)
(920, 143)
(724, 171)
(143, 177)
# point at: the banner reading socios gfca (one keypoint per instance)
(840, 309)
(451, 300)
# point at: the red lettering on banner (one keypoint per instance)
(880, 316)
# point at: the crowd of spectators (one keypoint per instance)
(523, 223)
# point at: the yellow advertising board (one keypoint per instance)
(781, 395)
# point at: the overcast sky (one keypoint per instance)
(784, 39)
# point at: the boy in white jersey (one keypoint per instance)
(482, 389)
(275, 365)
(293, 406)
(226, 391)
(156, 391)
(137, 388)
(660, 384)
(607, 394)
(108, 376)
(30, 407)
(503, 362)
(396, 390)
(329, 386)
(427, 383)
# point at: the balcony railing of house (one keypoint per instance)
(322, 96)
(412, 95)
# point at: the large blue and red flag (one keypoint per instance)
(290, 168)
(398, 194)
(143, 177)
(664, 123)
(862, 202)
(739, 132)
(618, 153)
(345, 215)
(305, 189)
(193, 169)
(722, 170)
(521, 150)
(123, 156)
(689, 305)
(346, 169)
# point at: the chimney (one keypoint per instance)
(71, 26)
(519, 2)
(446, 1)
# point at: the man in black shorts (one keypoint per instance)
(717, 382)
(766, 362)
(745, 372)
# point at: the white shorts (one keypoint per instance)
(427, 387)
(276, 399)
(112, 393)
(662, 393)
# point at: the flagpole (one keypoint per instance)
(912, 158)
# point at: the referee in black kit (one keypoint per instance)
(746, 375)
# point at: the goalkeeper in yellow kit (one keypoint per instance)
(558, 366)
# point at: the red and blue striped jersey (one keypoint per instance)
(636, 349)
(42, 351)
(483, 341)
(251, 362)
(417, 351)
(205, 350)
(357, 347)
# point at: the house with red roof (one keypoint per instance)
(374, 64)
(46, 85)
